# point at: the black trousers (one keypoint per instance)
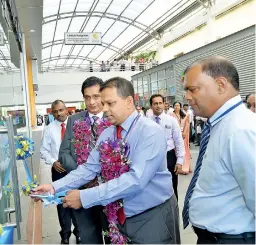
(171, 162)
(65, 215)
(206, 237)
(89, 223)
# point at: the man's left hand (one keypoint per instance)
(178, 169)
(72, 200)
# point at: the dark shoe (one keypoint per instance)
(64, 241)
(78, 240)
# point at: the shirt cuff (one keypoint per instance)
(51, 162)
(180, 160)
(59, 185)
(89, 197)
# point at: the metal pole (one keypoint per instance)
(15, 182)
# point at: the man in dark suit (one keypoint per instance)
(83, 129)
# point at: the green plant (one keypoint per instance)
(145, 55)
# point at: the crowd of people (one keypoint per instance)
(122, 167)
(122, 65)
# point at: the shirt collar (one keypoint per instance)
(225, 107)
(99, 115)
(127, 123)
(59, 123)
(161, 115)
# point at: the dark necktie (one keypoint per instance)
(120, 213)
(203, 145)
(157, 120)
(93, 136)
(63, 130)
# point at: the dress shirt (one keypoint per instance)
(223, 200)
(149, 113)
(99, 115)
(173, 135)
(51, 142)
(146, 185)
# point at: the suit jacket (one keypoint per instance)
(67, 156)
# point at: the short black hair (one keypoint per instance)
(89, 82)
(123, 86)
(185, 105)
(155, 96)
(56, 102)
(217, 66)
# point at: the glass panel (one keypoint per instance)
(140, 90)
(140, 81)
(153, 77)
(169, 72)
(154, 88)
(135, 83)
(162, 84)
(161, 75)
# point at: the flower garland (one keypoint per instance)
(114, 162)
(82, 133)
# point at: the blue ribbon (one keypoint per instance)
(7, 175)
(7, 235)
(29, 178)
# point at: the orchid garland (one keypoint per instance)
(114, 162)
(82, 133)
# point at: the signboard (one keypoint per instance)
(1, 38)
(82, 38)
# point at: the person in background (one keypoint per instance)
(175, 145)
(52, 137)
(183, 121)
(139, 110)
(220, 200)
(251, 102)
(107, 66)
(92, 220)
(102, 67)
(149, 113)
(168, 109)
(191, 121)
(150, 212)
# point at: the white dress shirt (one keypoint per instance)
(223, 200)
(51, 142)
(99, 115)
(173, 135)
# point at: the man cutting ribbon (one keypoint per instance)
(143, 183)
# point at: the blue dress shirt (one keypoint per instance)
(146, 185)
(223, 200)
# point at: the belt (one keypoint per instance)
(216, 236)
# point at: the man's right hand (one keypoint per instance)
(57, 166)
(41, 189)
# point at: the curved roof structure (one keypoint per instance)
(123, 24)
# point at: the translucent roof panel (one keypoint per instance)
(122, 24)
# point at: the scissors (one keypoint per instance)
(49, 198)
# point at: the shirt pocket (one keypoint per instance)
(210, 176)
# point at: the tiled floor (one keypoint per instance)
(50, 219)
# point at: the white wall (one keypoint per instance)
(53, 85)
(234, 21)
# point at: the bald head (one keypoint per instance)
(209, 84)
(218, 66)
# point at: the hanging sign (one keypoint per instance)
(82, 38)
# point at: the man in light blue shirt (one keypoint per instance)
(146, 190)
(220, 201)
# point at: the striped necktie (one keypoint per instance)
(93, 136)
(203, 145)
(157, 120)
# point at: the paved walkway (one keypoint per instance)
(50, 219)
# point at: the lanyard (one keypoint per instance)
(130, 128)
(227, 111)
